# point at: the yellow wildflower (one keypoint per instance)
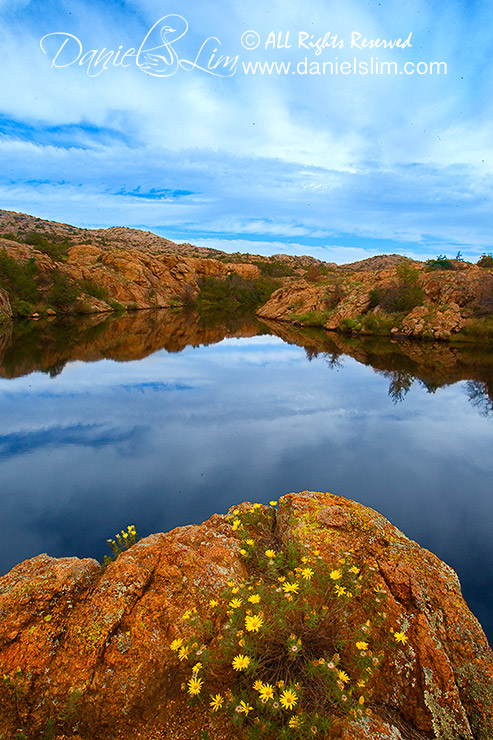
(340, 590)
(361, 700)
(281, 579)
(194, 685)
(240, 662)
(335, 575)
(343, 676)
(217, 702)
(253, 623)
(273, 503)
(184, 652)
(196, 668)
(270, 553)
(294, 721)
(235, 603)
(354, 569)
(257, 506)
(213, 603)
(176, 644)
(243, 552)
(266, 692)
(307, 574)
(236, 524)
(254, 599)
(361, 645)
(235, 590)
(290, 588)
(288, 699)
(245, 708)
(400, 637)
(257, 686)
(250, 542)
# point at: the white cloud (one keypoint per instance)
(405, 161)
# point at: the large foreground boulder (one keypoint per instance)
(85, 651)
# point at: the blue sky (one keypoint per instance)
(341, 166)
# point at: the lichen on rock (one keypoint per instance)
(87, 649)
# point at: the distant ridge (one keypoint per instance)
(21, 224)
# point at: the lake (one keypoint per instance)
(157, 420)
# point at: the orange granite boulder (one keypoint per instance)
(85, 651)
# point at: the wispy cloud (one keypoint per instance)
(400, 162)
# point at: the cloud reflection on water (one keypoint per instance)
(171, 439)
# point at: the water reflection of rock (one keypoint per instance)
(433, 364)
(47, 347)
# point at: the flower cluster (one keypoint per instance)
(123, 540)
(288, 656)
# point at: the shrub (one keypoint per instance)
(274, 268)
(234, 293)
(63, 293)
(349, 325)
(22, 308)
(334, 294)
(54, 247)
(317, 272)
(280, 655)
(441, 263)
(19, 279)
(97, 291)
(312, 318)
(402, 296)
(379, 323)
(486, 260)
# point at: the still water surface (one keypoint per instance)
(125, 421)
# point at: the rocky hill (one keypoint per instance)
(22, 225)
(48, 268)
(93, 652)
(407, 298)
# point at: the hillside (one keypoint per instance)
(48, 269)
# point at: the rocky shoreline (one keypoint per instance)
(70, 270)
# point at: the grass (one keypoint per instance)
(475, 330)
(311, 318)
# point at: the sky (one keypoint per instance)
(371, 135)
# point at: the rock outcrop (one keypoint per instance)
(128, 277)
(450, 299)
(86, 651)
